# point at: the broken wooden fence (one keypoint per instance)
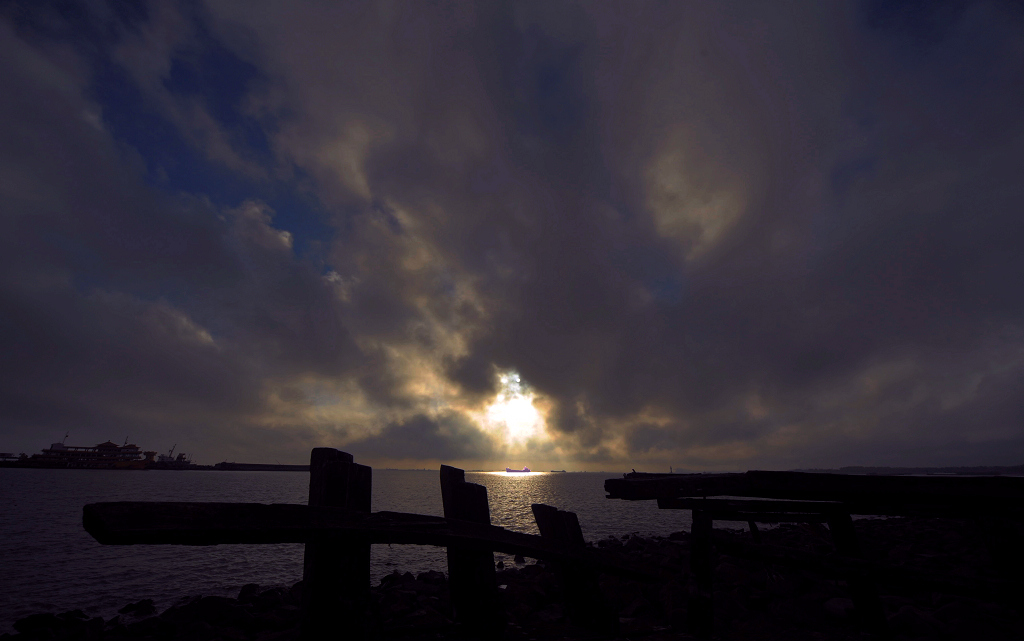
(802, 497)
(337, 528)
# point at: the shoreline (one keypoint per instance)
(752, 599)
(194, 467)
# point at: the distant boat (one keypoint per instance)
(509, 470)
(169, 462)
(558, 471)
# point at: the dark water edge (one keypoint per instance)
(186, 467)
(50, 564)
(752, 600)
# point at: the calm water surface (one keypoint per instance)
(50, 564)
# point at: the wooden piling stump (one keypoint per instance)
(472, 579)
(583, 598)
(754, 532)
(863, 592)
(700, 606)
(336, 569)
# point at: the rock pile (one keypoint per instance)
(752, 599)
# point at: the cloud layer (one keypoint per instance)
(705, 235)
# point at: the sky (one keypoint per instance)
(584, 236)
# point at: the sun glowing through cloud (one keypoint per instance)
(513, 413)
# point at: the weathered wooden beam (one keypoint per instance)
(843, 487)
(670, 486)
(472, 580)
(951, 509)
(767, 517)
(336, 567)
(173, 523)
(893, 495)
(751, 505)
(583, 598)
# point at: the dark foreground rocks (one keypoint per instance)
(752, 599)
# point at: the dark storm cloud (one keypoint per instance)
(904, 250)
(448, 438)
(131, 311)
(705, 234)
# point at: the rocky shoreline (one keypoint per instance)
(752, 599)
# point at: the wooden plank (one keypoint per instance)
(845, 487)
(890, 506)
(767, 517)
(176, 523)
(889, 495)
(700, 605)
(472, 579)
(336, 567)
(748, 505)
(647, 487)
(584, 601)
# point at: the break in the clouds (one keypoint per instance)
(591, 235)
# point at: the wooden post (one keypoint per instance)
(862, 589)
(700, 607)
(583, 597)
(1001, 536)
(336, 569)
(472, 579)
(754, 532)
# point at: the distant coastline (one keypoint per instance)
(219, 467)
(111, 456)
(228, 466)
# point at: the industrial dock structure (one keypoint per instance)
(111, 456)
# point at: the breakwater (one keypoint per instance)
(224, 466)
(259, 467)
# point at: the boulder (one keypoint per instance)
(270, 599)
(248, 592)
(839, 608)
(729, 573)
(293, 595)
(36, 622)
(152, 627)
(433, 577)
(196, 631)
(914, 622)
(139, 609)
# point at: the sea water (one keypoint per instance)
(48, 563)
